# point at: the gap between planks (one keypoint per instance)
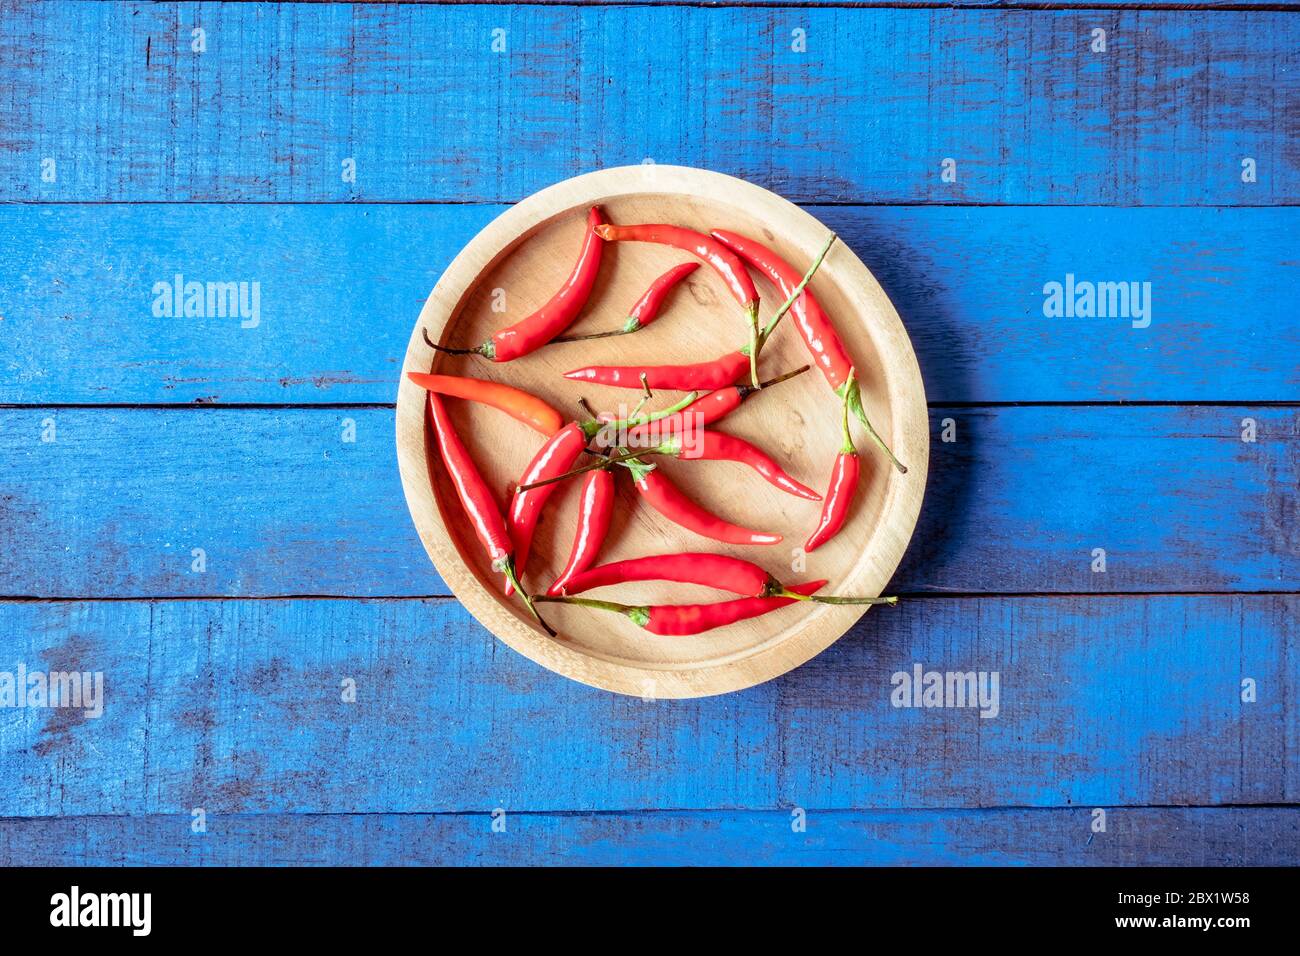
(993, 6)
(678, 811)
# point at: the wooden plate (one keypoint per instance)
(515, 264)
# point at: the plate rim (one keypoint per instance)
(905, 390)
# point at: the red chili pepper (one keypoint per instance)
(724, 262)
(669, 500)
(814, 324)
(717, 446)
(553, 459)
(694, 444)
(529, 334)
(477, 500)
(647, 307)
(701, 376)
(711, 407)
(553, 464)
(815, 328)
(839, 496)
(517, 403)
(671, 424)
(720, 571)
(594, 511)
(711, 570)
(685, 619)
(676, 620)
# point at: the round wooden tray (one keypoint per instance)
(518, 261)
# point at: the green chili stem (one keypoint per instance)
(630, 326)
(755, 344)
(646, 395)
(847, 448)
(638, 613)
(507, 564)
(593, 427)
(831, 599)
(748, 389)
(584, 602)
(853, 397)
(480, 350)
(667, 448)
(798, 291)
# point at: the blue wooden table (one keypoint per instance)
(206, 509)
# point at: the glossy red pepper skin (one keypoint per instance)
(529, 334)
(707, 569)
(716, 405)
(676, 620)
(707, 409)
(669, 500)
(724, 262)
(702, 412)
(554, 458)
(515, 402)
(839, 499)
(718, 446)
(815, 328)
(475, 496)
(648, 307)
(701, 376)
(594, 512)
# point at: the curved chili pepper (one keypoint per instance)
(594, 511)
(647, 307)
(814, 324)
(531, 333)
(477, 501)
(593, 429)
(711, 570)
(678, 620)
(815, 328)
(554, 458)
(700, 376)
(671, 502)
(688, 416)
(553, 464)
(839, 496)
(711, 407)
(717, 446)
(724, 262)
(698, 445)
(517, 403)
(708, 570)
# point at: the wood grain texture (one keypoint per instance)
(235, 706)
(340, 284)
(1135, 836)
(282, 505)
(1123, 702)
(416, 96)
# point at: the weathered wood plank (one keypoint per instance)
(117, 98)
(983, 4)
(1134, 836)
(235, 706)
(340, 285)
(281, 504)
